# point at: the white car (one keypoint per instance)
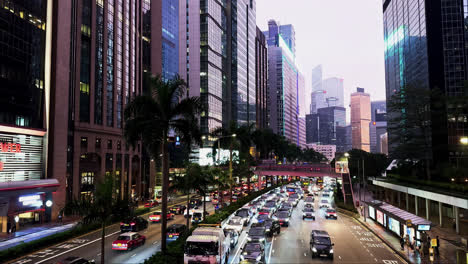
(207, 198)
(235, 223)
(324, 203)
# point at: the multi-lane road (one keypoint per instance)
(89, 246)
(353, 243)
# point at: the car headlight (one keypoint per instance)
(331, 251)
(275, 218)
(287, 219)
(242, 257)
(314, 249)
(244, 253)
(249, 238)
(304, 214)
(267, 230)
(259, 258)
(261, 239)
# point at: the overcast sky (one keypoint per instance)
(345, 36)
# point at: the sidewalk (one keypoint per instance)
(449, 242)
(33, 233)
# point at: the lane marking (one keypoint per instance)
(375, 259)
(70, 250)
(305, 255)
(271, 248)
(99, 254)
(238, 250)
(155, 242)
(133, 255)
(339, 257)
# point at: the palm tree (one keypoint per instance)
(102, 206)
(185, 184)
(151, 117)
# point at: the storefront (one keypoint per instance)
(398, 221)
(25, 196)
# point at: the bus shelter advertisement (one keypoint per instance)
(341, 165)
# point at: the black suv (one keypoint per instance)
(133, 224)
(320, 244)
(271, 227)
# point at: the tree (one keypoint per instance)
(101, 207)
(185, 183)
(150, 117)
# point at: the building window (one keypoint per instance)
(109, 144)
(84, 142)
(99, 72)
(98, 143)
(119, 145)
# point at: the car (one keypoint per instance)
(295, 196)
(282, 217)
(133, 224)
(260, 218)
(235, 223)
(215, 201)
(324, 203)
(128, 241)
(272, 227)
(308, 212)
(174, 231)
(256, 234)
(309, 199)
(207, 198)
(155, 217)
(197, 217)
(331, 213)
(234, 236)
(245, 213)
(326, 196)
(75, 260)
(293, 201)
(320, 244)
(266, 211)
(272, 205)
(151, 203)
(177, 209)
(195, 202)
(253, 251)
(285, 209)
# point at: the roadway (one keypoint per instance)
(89, 246)
(353, 243)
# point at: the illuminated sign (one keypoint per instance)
(10, 147)
(424, 227)
(394, 225)
(30, 200)
(394, 37)
(285, 47)
(371, 212)
(206, 156)
(380, 217)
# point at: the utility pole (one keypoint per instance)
(364, 184)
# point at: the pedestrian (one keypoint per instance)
(8, 227)
(437, 246)
(402, 243)
(60, 217)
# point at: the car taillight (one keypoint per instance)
(132, 224)
(122, 223)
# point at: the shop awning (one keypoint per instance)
(23, 187)
(399, 214)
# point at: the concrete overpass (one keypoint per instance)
(303, 170)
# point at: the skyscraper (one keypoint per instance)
(282, 82)
(317, 95)
(428, 50)
(218, 40)
(334, 91)
(378, 124)
(301, 137)
(327, 127)
(261, 79)
(360, 119)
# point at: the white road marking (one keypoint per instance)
(133, 255)
(305, 254)
(99, 254)
(155, 242)
(80, 246)
(375, 259)
(271, 248)
(273, 251)
(238, 250)
(371, 254)
(339, 257)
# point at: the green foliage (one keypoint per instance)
(374, 163)
(461, 189)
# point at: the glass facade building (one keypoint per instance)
(425, 46)
(170, 39)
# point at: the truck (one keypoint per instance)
(207, 244)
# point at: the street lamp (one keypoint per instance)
(464, 140)
(346, 154)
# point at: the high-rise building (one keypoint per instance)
(282, 81)
(312, 128)
(170, 37)
(218, 43)
(360, 119)
(378, 124)
(26, 183)
(334, 91)
(327, 127)
(327, 150)
(327, 92)
(428, 50)
(261, 79)
(301, 104)
(348, 138)
(301, 136)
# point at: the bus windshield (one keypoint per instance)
(201, 248)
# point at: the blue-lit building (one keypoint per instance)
(170, 40)
(426, 47)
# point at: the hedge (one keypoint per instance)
(175, 250)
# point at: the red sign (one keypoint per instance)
(1, 166)
(10, 147)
